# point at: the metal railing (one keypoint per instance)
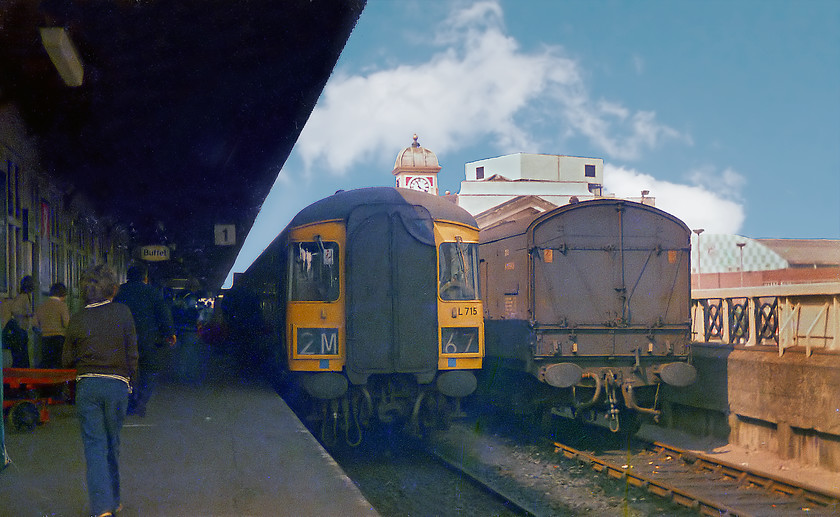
(806, 315)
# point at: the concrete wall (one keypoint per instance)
(788, 405)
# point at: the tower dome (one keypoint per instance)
(417, 168)
(416, 158)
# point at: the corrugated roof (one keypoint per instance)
(806, 252)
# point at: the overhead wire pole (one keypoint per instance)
(698, 231)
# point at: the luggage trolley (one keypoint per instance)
(28, 393)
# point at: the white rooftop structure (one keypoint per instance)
(554, 178)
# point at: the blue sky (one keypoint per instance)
(727, 111)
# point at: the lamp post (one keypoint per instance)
(741, 248)
(698, 231)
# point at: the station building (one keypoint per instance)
(520, 183)
(556, 179)
(727, 260)
(49, 229)
(495, 188)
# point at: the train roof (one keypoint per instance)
(520, 223)
(609, 202)
(342, 203)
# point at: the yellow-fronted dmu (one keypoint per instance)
(380, 308)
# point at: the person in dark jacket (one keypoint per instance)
(101, 344)
(153, 320)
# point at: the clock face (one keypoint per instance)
(420, 183)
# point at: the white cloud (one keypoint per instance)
(477, 86)
(728, 181)
(697, 205)
(471, 21)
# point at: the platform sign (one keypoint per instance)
(225, 234)
(154, 253)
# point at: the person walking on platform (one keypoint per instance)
(153, 321)
(101, 344)
(19, 316)
(52, 317)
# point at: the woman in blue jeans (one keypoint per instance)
(101, 344)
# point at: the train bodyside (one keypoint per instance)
(380, 308)
(592, 301)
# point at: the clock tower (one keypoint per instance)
(417, 168)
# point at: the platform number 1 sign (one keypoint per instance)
(225, 235)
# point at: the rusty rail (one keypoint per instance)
(708, 485)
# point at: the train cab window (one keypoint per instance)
(314, 271)
(458, 271)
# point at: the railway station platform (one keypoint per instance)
(226, 446)
(768, 363)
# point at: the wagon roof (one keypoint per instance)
(522, 222)
(342, 203)
(607, 202)
(510, 225)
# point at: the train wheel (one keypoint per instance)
(427, 419)
(25, 416)
(434, 415)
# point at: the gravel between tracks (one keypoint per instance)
(528, 469)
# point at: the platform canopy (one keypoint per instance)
(174, 116)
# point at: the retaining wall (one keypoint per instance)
(788, 405)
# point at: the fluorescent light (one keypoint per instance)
(63, 55)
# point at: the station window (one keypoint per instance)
(4, 272)
(24, 224)
(4, 284)
(54, 226)
(458, 263)
(589, 171)
(12, 189)
(57, 262)
(7, 181)
(314, 274)
(72, 274)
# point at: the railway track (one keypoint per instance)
(524, 470)
(516, 502)
(526, 476)
(403, 478)
(710, 486)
